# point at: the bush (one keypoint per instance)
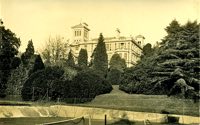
(104, 87)
(60, 90)
(39, 84)
(86, 85)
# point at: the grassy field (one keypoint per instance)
(118, 99)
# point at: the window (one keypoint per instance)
(77, 48)
(107, 47)
(121, 45)
(110, 47)
(85, 34)
(125, 56)
(120, 54)
(79, 33)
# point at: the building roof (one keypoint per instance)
(81, 25)
(140, 36)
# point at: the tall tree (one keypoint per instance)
(117, 67)
(82, 58)
(30, 48)
(70, 59)
(147, 49)
(173, 68)
(9, 45)
(116, 62)
(26, 56)
(55, 51)
(100, 62)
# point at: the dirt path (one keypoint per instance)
(117, 91)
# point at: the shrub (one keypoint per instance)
(86, 85)
(39, 84)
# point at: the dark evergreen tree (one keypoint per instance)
(116, 62)
(173, 68)
(70, 59)
(26, 56)
(100, 62)
(83, 58)
(30, 49)
(38, 64)
(147, 49)
(9, 45)
(117, 67)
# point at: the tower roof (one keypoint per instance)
(81, 25)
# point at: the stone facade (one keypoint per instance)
(127, 47)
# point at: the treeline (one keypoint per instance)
(171, 67)
(58, 77)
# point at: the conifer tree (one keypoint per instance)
(83, 58)
(100, 62)
(147, 50)
(38, 64)
(26, 56)
(116, 62)
(117, 67)
(70, 59)
(173, 68)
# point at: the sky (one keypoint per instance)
(39, 19)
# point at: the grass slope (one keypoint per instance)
(118, 99)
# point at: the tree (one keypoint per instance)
(86, 85)
(172, 67)
(26, 56)
(55, 51)
(70, 60)
(17, 80)
(38, 64)
(147, 49)
(83, 58)
(40, 84)
(9, 45)
(173, 34)
(100, 63)
(116, 62)
(117, 67)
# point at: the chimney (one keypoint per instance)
(117, 33)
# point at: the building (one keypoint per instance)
(127, 47)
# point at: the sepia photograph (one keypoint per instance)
(99, 62)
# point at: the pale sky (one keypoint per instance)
(38, 19)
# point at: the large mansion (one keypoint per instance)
(128, 48)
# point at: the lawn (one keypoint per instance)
(118, 99)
